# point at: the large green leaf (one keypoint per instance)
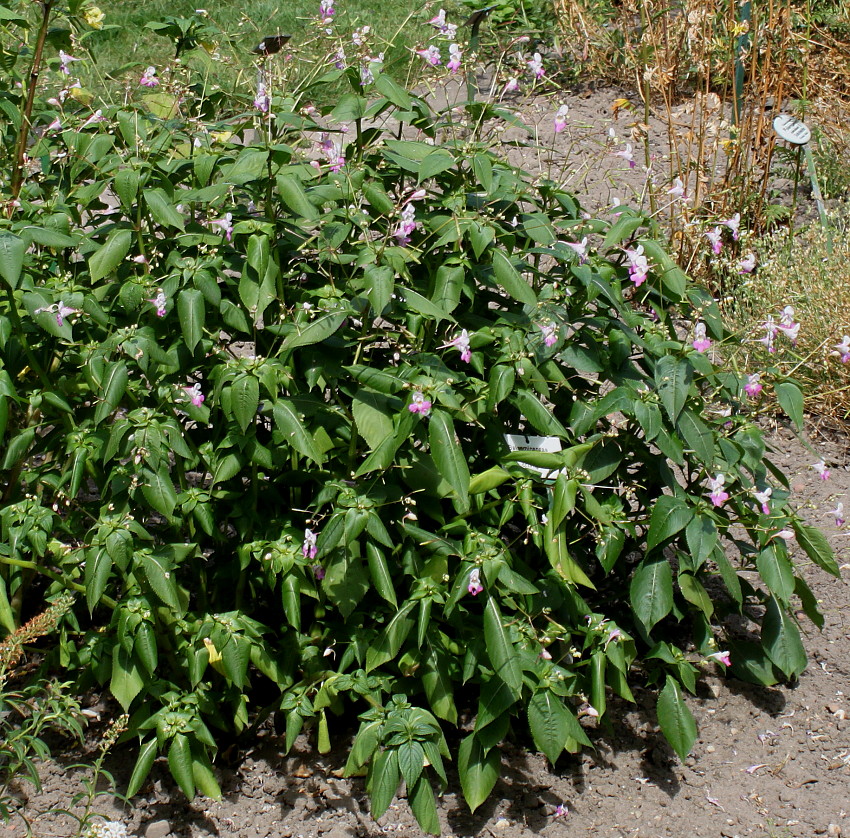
(12, 250)
(384, 779)
(777, 572)
(448, 457)
(423, 806)
(191, 311)
(144, 763)
(676, 721)
(511, 280)
(781, 639)
(127, 681)
(110, 254)
(790, 399)
(294, 196)
(651, 590)
(316, 331)
(162, 209)
(159, 491)
(245, 400)
(290, 424)
(161, 579)
(113, 385)
(387, 646)
(669, 516)
(817, 548)
(478, 770)
(542, 418)
(547, 722)
(697, 436)
(438, 685)
(180, 764)
(672, 380)
(411, 761)
(501, 652)
(97, 571)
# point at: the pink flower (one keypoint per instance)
(318, 571)
(332, 151)
(195, 394)
(536, 66)
(677, 191)
(455, 58)
(149, 78)
(638, 265)
(733, 224)
(160, 301)
(511, 85)
(308, 548)
(545, 654)
(763, 498)
(714, 236)
(475, 587)
(225, 224)
(64, 61)
(787, 324)
(627, 154)
(340, 59)
(838, 514)
(718, 496)
(262, 102)
(447, 29)
(701, 341)
(561, 118)
(60, 310)
(753, 386)
(461, 342)
(771, 328)
(821, 469)
(580, 248)
(326, 10)
(748, 264)
(614, 634)
(550, 333)
(419, 404)
(406, 226)
(96, 117)
(56, 125)
(561, 811)
(843, 349)
(721, 657)
(431, 55)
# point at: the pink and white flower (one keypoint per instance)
(561, 118)
(821, 468)
(771, 329)
(550, 333)
(628, 155)
(160, 303)
(701, 341)
(580, 248)
(842, 350)
(838, 514)
(195, 394)
(308, 547)
(262, 100)
(326, 10)
(455, 58)
(536, 65)
(406, 226)
(734, 224)
(419, 404)
(60, 310)
(225, 224)
(64, 62)
(763, 499)
(461, 343)
(748, 264)
(96, 117)
(787, 324)
(474, 585)
(431, 55)
(511, 85)
(753, 386)
(715, 236)
(638, 265)
(439, 22)
(717, 496)
(149, 78)
(677, 191)
(721, 657)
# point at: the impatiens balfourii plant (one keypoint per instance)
(398, 433)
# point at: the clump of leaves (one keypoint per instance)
(372, 418)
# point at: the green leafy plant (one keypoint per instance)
(355, 417)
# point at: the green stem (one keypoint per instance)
(56, 577)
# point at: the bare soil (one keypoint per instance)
(768, 762)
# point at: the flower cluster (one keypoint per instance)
(786, 326)
(638, 265)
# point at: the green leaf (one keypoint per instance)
(392, 91)
(501, 652)
(411, 760)
(127, 681)
(651, 590)
(781, 640)
(380, 573)
(511, 280)
(487, 480)
(438, 685)
(159, 491)
(423, 806)
(294, 196)
(180, 764)
(144, 647)
(110, 254)
(422, 305)
(161, 209)
(245, 400)
(144, 763)
(542, 418)
(384, 779)
(161, 580)
(816, 548)
(448, 457)
(316, 331)
(380, 283)
(500, 385)
(113, 385)
(669, 516)
(776, 571)
(12, 250)
(697, 436)
(97, 571)
(204, 778)
(676, 721)
(289, 424)
(191, 312)
(791, 401)
(388, 644)
(672, 381)
(437, 161)
(546, 720)
(478, 771)
(623, 228)
(694, 592)
(701, 535)
(482, 168)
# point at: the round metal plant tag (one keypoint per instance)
(792, 129)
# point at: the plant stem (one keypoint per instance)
(24, 130)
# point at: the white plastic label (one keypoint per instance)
(792, 129)
(547, 444)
